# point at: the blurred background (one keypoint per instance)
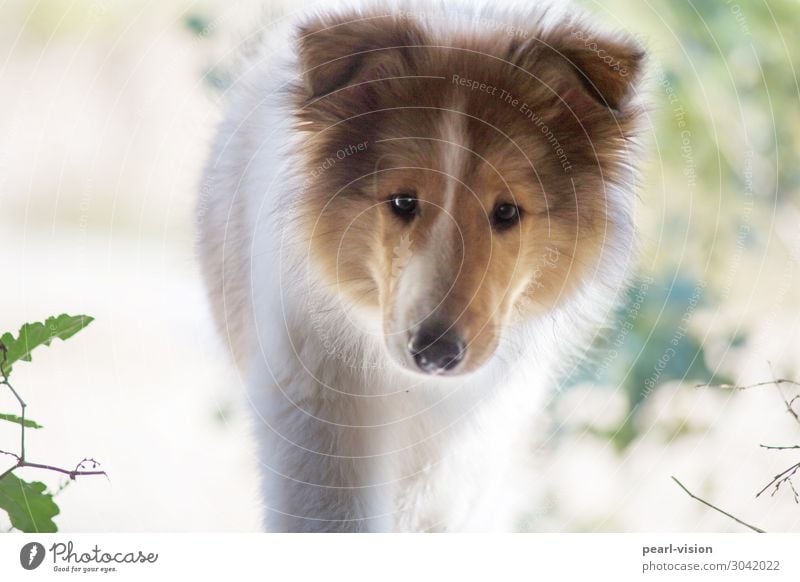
(106, 112)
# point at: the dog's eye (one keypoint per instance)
(505, 215)
(404, 205)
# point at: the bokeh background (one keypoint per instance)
(106, 112)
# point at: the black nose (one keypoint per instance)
(436, 349)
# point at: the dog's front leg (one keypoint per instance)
(321, 464)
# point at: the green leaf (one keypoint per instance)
(28, 423)
(33, 335)
(29, 506)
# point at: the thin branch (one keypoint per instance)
(774, 448)
(16, 465)
(747, 387)
(781, 478)
(70, 473)
(792, 411)
(15, 455)
(715, 508)
(79, 469)
(777, 383)
(61, 487)
(788, 403)
(21, 402)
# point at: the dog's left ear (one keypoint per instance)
(589, 68)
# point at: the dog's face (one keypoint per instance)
(455, 191)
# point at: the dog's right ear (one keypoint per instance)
(584, 66)
(340, 51)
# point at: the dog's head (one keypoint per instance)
(457, 184)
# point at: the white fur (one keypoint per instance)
(404, 452)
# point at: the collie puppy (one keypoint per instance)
(414, 216)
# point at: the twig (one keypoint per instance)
(794, 492)
(781, 478)
(21, 461)
(71, 474)
(788, 403)
(15, 455)
(715, 508)
(61, 487)
(747, 387)
(78, 471)
(792, 411)
(777, 383)
(785, 477)
(21, 402)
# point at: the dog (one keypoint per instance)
(413, 219)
